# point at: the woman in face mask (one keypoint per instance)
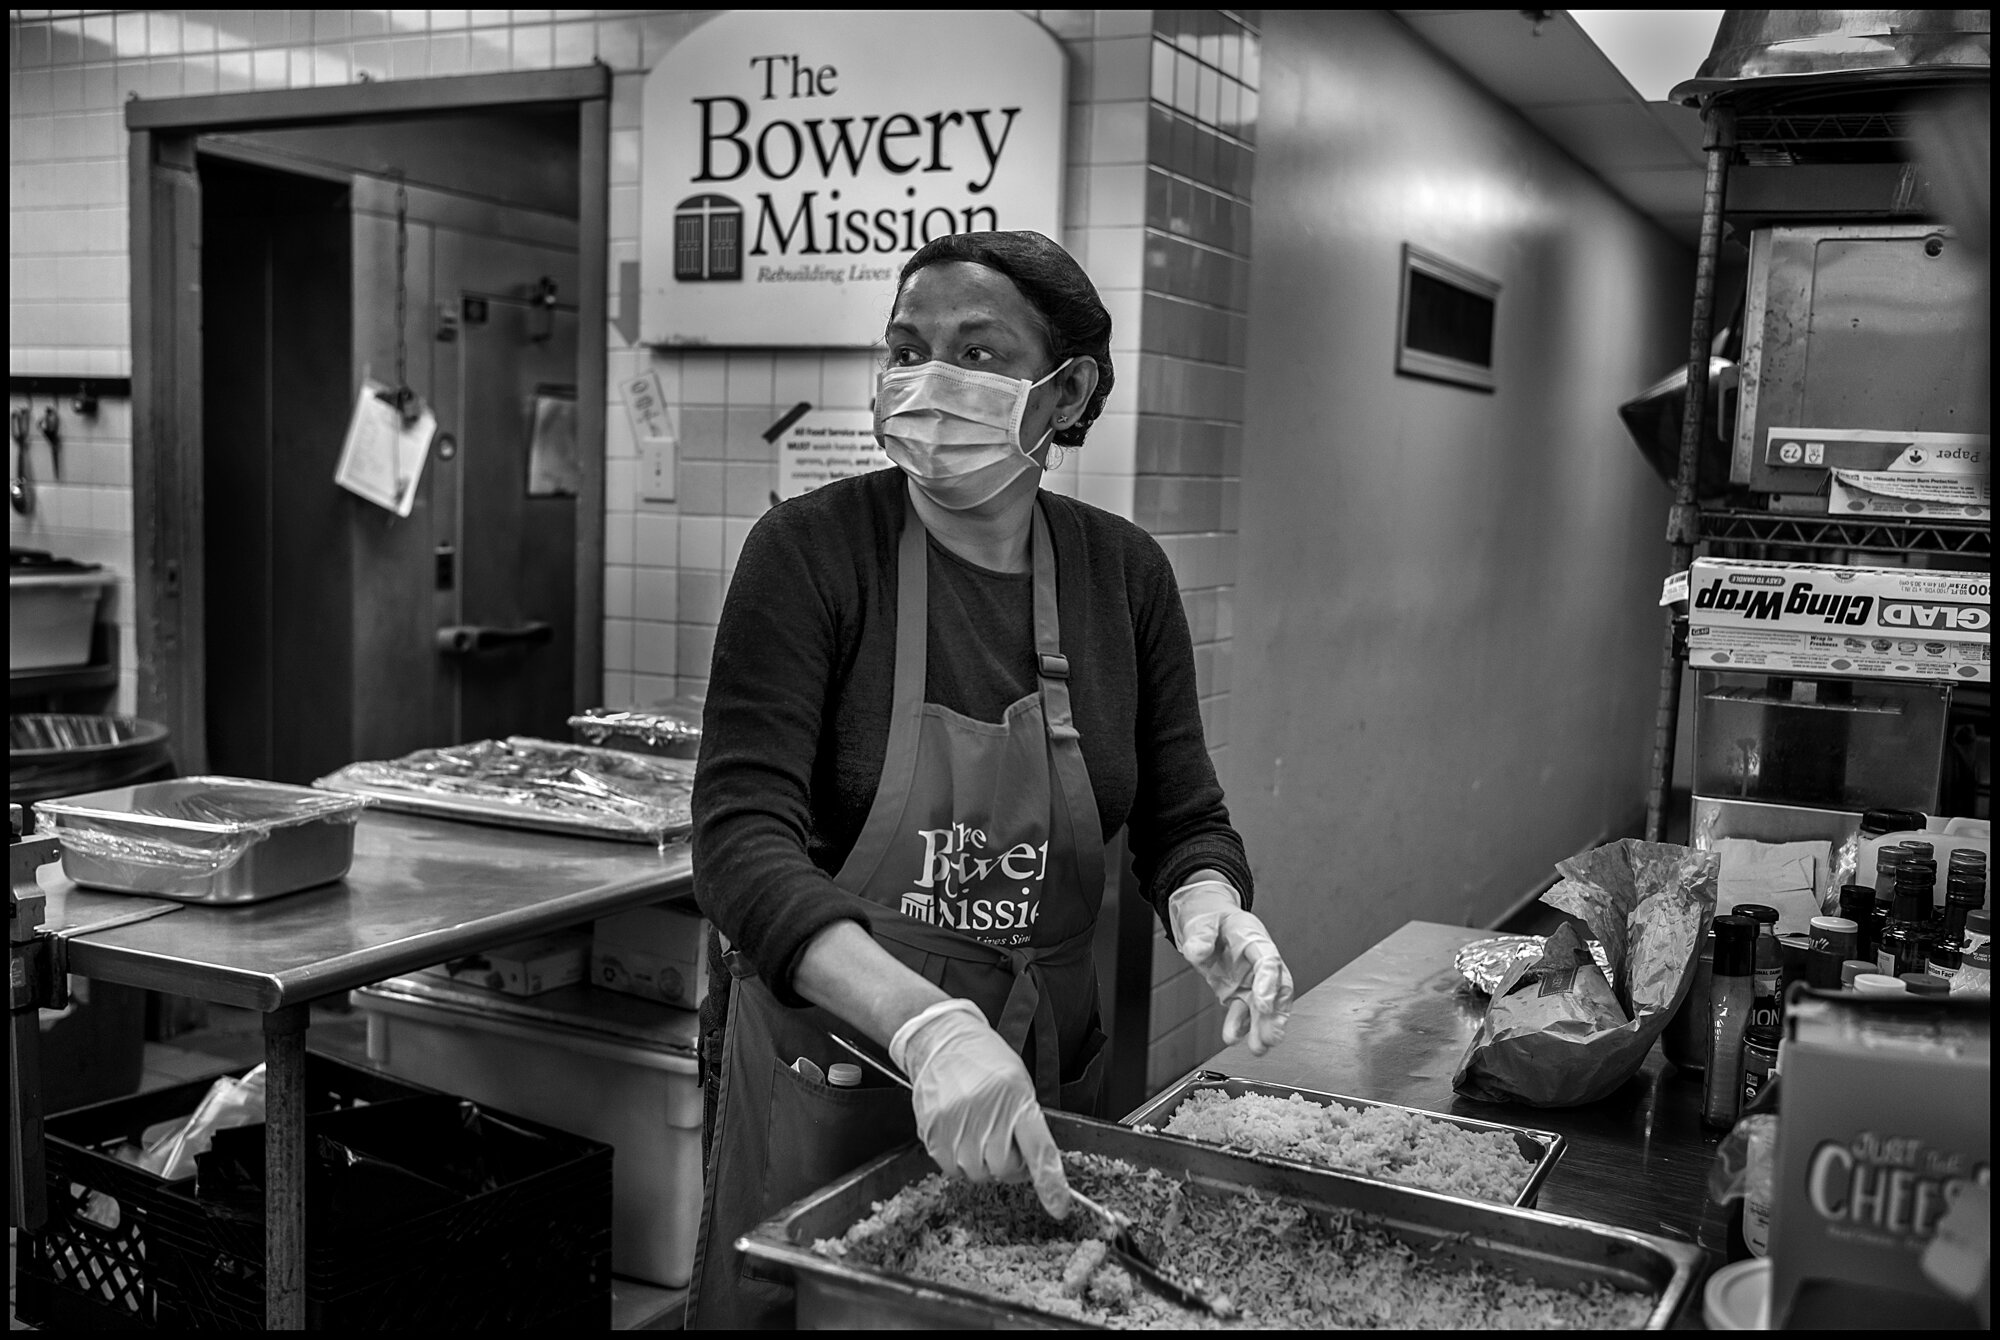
(936, 692)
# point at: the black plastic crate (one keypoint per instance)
(528, 1243)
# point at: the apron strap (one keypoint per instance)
(1074, 819)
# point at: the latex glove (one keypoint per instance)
(975, 1102)
(1233, 952)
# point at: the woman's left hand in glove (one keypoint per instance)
(1235, 955)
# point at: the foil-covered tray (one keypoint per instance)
(205, 839)
(1539, 1149)
(1525, 1244)
(672, 728)
(544, 785)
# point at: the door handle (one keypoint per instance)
(466, 639)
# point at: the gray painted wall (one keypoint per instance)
(1446, 629)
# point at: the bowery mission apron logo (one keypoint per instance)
(790, 168)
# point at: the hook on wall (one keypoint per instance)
(544, 299)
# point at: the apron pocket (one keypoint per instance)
(1080, 1094)
(816, 1132)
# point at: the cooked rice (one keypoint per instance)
(1384, 1143)
(1283, 1266)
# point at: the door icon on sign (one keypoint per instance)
(708, 239)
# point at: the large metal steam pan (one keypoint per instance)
(1539, 1149)
(1526, 1244)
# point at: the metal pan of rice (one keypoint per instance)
(1455, 1156)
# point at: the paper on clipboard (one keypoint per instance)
(382, 460)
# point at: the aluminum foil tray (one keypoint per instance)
(544, 785)
(1528, 1244)
(671, 728)
(1540, 1149)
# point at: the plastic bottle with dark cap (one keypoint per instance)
(1857, 904)
(1732, 987)
(1766, 1009)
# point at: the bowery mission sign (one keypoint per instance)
(794, 160)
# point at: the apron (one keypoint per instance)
(983, 855)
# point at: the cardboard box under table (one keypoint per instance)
(606, 1066)
(655, 952)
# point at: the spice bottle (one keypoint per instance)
(1924, 984)
(1857, 904)
(1836, 933)
(1760, 1063)
(1731, 992)
(1975, 972)
(1766, 974)
(1905, 946)
(1879, 984)
(1852, 969)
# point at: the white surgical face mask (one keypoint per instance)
(956, 431)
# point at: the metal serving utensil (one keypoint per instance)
(1121, 1244)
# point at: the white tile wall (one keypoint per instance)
(667, 565)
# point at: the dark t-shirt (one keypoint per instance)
(797, 715)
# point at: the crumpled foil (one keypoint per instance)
(1649, 905)
(1484, 964)
(672, 727)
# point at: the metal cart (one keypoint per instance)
(420, 891)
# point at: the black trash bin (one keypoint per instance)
(51, 754)
(94, 1049)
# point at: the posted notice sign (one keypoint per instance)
(794, 160)
(824, 445)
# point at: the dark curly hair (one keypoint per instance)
(1073, 317)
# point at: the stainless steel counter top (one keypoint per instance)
(420, 891)
(1392, 1025)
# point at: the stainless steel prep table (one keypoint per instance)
(420, 891)
(1392, 1025)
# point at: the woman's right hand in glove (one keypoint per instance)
(975, 1102)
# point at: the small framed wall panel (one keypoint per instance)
(1446, 327)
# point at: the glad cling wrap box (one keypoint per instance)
(1813, 618)
(1884, 1162)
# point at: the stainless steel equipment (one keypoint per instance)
(1872, 327)
(1539, 1149)
(1793, 48)
(206, 839)
(1525, 1244)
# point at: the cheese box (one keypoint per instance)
(1885, 1121)
(527, 968)
(655, 952)
(1811, 618)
